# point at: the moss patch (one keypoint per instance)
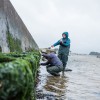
(0, 49)
(13, 44)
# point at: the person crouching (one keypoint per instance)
(53, 63)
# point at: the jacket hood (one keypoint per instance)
(66, 33)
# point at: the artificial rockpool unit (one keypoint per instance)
(18, 74)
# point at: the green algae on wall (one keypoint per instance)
(0, 49)
(17, 75)
(13, 44)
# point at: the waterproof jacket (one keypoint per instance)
(64, 45)
(65, 41)
(52, 60)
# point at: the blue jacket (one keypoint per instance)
(52, 60)
(65, 41)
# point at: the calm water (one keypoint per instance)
(83, 83)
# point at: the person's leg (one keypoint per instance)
(65, 57)
(60, 57)
(64, 61)
(54, 70)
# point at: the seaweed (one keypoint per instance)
(18, 74)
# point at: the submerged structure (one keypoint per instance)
(19, 56)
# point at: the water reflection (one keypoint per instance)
(53, 89)
(56, 85)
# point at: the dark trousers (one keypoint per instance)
(54, 69)
(63, 56)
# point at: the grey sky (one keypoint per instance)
(48, 19)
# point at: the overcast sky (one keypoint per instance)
(48, 19)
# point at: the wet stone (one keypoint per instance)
(41, 96)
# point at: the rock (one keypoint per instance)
(94, 53)
(48, 50)
(98, 56)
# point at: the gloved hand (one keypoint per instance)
(52, 46)
(41, 64)
(61, 42)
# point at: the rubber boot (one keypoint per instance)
(63, 71)
(55, 74)
(68, 69)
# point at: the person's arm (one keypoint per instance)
(47, 56)
(46, 63)
(55, 44)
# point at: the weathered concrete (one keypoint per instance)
(13, 31)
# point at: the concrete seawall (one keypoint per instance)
(13, 30)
